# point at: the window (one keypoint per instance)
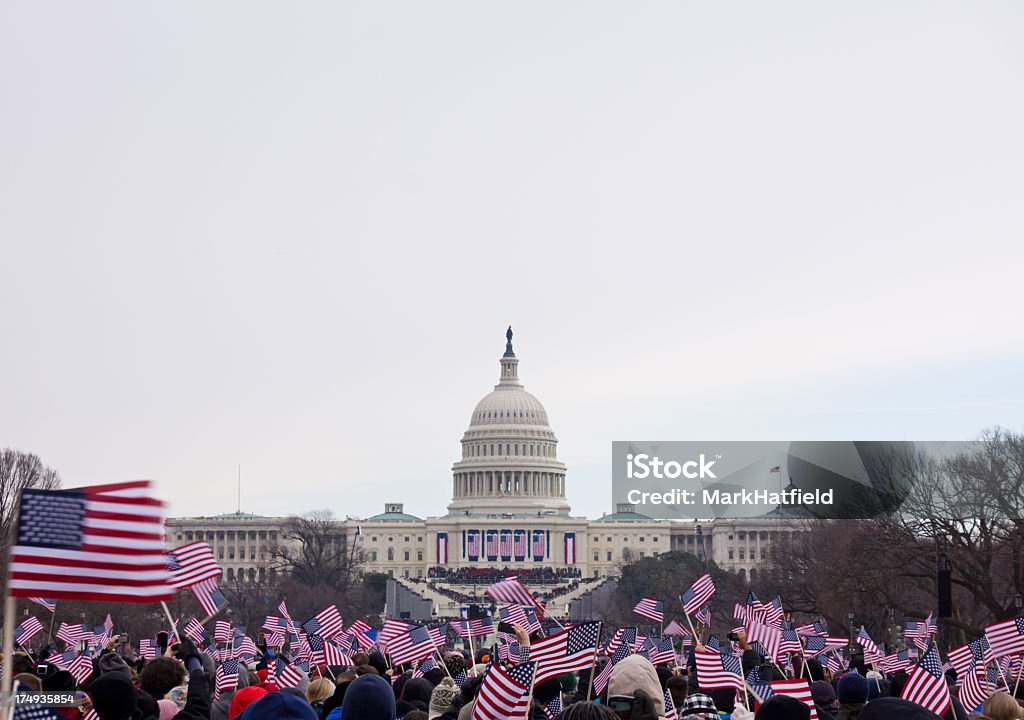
(419, 538)
(407, 538)
(642, 538)
(231, 553)
(373, 539)
(609, 556)
(407, 558)
(743, 554)
(609, 539)
(596, 555)
(373, 556)
(391, 554)
(730, 537)
(730, 553)
(641, 553)
(419, 555)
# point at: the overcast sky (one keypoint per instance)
(290, 236)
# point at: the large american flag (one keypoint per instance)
(566, 651)
(510, 590)
(926, 684)
(104, 542)
(697, 594)
(492, 545)
(506, 544)
(539, 546)
(192, 563)
(650, 608)
(473, 544)
(1006, 637)
(520, 545)
(504, 694)
(715, 671)
(799, 689)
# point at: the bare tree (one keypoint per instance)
(19, 471)
(315, 551)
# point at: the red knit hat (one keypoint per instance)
(242, 699)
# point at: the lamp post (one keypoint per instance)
(849, 621)
(1018, 602)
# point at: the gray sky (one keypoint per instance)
(291, 237)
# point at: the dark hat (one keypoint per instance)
(783, 707)
(369, 697)
(60, 681)
(278, 706)
(823, 693)
(852, 688)
(890, 708)
(113, 696)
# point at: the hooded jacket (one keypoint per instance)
(369, 697)
(637, 673)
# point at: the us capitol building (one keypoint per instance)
(508, 510)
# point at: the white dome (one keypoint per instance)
(509, 405)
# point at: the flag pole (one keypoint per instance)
(8, 662)
(593, 662)
(170, 619)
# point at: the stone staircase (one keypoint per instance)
(446, 607)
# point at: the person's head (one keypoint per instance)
(243, 698)
(369, 697)
(28, 681)
(725, 699)
(586, 711)
(442, 696)
(60, 681)
(160, 675)
(319, 690)
(852, 688)
(366, 670)
(417, 690)
(360, 658)
(455, 663)
(678, 688)
(824, 694)
(636, 673)
(281, 706)
(113, 696)
(891, 708)
(1000, 706)
(783, 707)
(698, 706)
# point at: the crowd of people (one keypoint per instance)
(486, 576)
(180, 686)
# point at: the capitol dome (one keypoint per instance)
(509, 462)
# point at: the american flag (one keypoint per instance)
(717, 671)
(506, 544)
(504, 694)
(287, 674)
(926, 684)
(510, 651)
(703, 616)
(525, 618)
(460, 678)
(80, 667)
(697, 594)
(510, 590)
(209, 596)
(360, 630)
(651, 608)
(326, 623)
(895, 662)
(790, 642)
(799, 689)
(326, 652)
(473, 545)
(492, 545)
(817, 644)
(623, 636)
(601, 679)
(192, 563)
(815, 628)
(973, 689)
(104, 542)
(424, 667)
(1006, 637)
(761, 689)
(553, 707)
(539, 546)
(414, 643)
(477, 627)
(147, 649)
(675, 628)
(770, 639)
(71, 634)
(245, 647)
(659, 650)
(871, 652)
(48, 604)
(566, 651)
(227, 676)
(773, 612)
(520, 548)
(982, 650)
(195, 631)
(834, 664)
(222, 631)
(28, 629)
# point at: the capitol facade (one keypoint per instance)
(508, 511)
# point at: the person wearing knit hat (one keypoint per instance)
(281, 706)
(455, 663)
(113, 696)
(892, 708)
(825, 701)
(442, 696)
(369, 697)
(242, 699)
(698, 706)
(168, 709)
(852, 691)
(783, 707)
(112, 662)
